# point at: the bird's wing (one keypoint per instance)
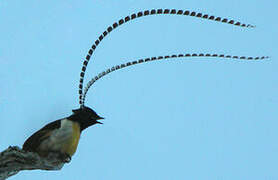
(33, 142)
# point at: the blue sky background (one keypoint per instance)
(189, 118)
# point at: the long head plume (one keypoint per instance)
(143, 14)
(114, 68)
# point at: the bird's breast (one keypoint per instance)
(71, 145)
(64, 140)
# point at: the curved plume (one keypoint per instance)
(114, 68)
(147, 13)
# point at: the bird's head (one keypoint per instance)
(85, 116)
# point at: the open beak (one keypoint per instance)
(100, 119)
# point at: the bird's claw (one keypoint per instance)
(65, 158)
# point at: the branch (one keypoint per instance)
(14, 159)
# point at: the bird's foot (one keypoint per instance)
(65, 157)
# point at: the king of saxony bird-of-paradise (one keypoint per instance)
(62, 136)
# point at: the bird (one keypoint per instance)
(62, 136)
